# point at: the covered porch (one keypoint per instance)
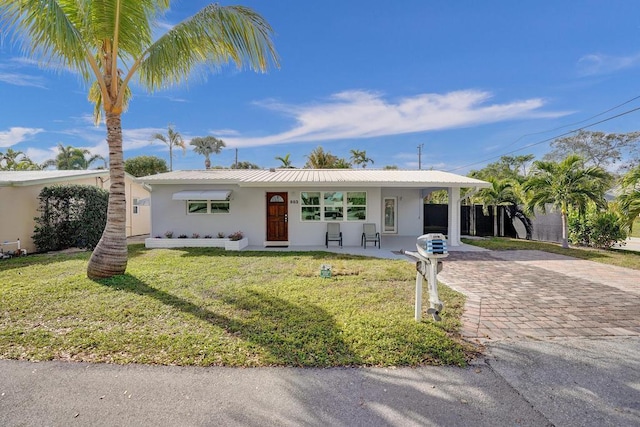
(390, 248)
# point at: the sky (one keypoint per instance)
(468, 81)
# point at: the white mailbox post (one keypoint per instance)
(431, 247)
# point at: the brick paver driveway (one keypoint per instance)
(534, 294)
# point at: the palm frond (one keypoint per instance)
(214, 36)
(49, 31)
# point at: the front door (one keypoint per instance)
(277, 217)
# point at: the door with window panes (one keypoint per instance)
(277, 217)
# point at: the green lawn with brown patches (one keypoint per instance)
(208, 307)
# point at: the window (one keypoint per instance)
(207, 207)
(135, 210)
(332, 205)
(356, 206)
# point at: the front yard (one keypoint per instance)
(206, 307)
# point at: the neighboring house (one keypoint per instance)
(291, 207)
(19, 191)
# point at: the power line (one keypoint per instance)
(575, 123)
(548, 139)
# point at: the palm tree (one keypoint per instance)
(10, 159)
(319, 159)
(72, 158)
(565, 185)
(286, 161)
(359, 157)
(499, 194)
(629, 199)
(206, 146)
(172, 139)
(110, 42)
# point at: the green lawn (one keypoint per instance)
(209, 307)
(620, 258)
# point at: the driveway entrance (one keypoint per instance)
(535, 294)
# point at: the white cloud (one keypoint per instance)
(596, 63)
(224, 132)
(9, 73)
(40, 156)
(361, 114)
(18, 79)
(16, 135)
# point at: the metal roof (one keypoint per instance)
(316, 177)
(24, 178)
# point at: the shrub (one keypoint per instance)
(596, 229)
(236, 236)
(70, 216)
(220, 235)
(168, 234)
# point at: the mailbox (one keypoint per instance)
(432, 245)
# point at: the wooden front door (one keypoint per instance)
(277, 217)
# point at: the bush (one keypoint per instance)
(596, 229)
(70, 216)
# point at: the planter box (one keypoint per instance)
(154, 242)
(236, 245)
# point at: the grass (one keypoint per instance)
(636, 228)
(207, 307)
(620, 258)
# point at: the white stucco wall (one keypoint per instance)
(248, 214)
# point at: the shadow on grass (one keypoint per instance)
(133, 251)
(219, 252)
(291, 334)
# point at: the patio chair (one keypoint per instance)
(333, 234)
(369, 234)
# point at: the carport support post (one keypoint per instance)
(454, 217)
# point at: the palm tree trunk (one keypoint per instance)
(109, 258)
(207, 163)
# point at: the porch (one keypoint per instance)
(390, 248)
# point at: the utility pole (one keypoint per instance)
(235, 165)
(420, 147)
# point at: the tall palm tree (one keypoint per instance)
(111, 42)
(206, 146)
(565, 185)
(286, 161)
(72, 158)
(172, 140)
(359, 157)
(629, 199)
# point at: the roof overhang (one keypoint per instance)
(202, 195)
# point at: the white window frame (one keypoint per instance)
(390, 227)
(344, 206)
(209, 204)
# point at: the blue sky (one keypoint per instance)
(471, 80)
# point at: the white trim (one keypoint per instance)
(215, 195)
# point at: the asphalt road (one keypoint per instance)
(579, 382)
